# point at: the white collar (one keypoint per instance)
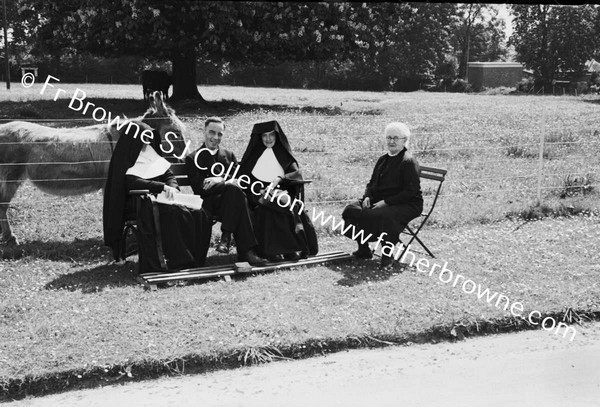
(394, 155)
(213, 152)
(148, 164)
(267, 167)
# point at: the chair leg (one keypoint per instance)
(413, 238)
(424, 247)
(123, 254)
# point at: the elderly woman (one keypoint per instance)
(282, 231)
(392, 197)
(185, 232)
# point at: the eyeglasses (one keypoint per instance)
(395, 138)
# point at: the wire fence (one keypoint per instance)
(539, 157)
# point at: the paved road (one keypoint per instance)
(524, 369)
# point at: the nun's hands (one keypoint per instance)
(380, 204)
(275, 182)
(169, 192)
(366, 203)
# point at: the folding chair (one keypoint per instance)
(434, 174)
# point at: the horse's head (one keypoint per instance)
(162, 118)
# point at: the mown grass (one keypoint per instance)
(66, 308)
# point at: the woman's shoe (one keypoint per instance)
(291, 256)
(363, 252)
(275, 258)
(252, 258)
(225, 243)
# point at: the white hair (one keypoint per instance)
(398, 129)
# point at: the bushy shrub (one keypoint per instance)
(73, 68)
(338, 75)
(447, 72)
(577, 185)
(582, 87)
(526, 85)
(461, 86)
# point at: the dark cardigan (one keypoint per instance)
(395, 180)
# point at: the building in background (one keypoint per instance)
(494, 74)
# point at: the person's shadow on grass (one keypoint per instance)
(358, 271)
(96, 279)
(77, 250)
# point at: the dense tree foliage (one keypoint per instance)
(185, 30)
(551, 39)
(401, 44)
(478, 35)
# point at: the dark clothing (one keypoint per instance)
(124, 156)
(391, 219)
(226, 202)
(154, 185)
(396, 181)
(185, 233)
(278, 230)
(184, 236)
(199, 168)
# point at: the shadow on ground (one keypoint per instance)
(97, 279)
(77, 250)
(592, 101)
(58, 112)
(356, 272)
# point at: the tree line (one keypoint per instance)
(402, 46)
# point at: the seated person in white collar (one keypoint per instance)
(392, 197)
(281, 226)
(185, 232)
(222, 199)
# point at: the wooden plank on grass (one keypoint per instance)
(226, 271)
(321, 258)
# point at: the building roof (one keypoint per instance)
(495, 65)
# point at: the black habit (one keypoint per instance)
(396, 181)
(185, 232)
(278, 230)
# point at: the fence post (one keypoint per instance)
(541, 157)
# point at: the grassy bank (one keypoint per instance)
(75, 315)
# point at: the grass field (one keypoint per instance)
(65, 311)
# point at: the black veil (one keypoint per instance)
(124, 156)
(255, 148)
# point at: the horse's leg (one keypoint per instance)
(8, 188)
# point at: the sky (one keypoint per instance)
(503, 13)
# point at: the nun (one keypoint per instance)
(185, 232)
(281, 226)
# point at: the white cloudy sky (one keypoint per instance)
(503, 13)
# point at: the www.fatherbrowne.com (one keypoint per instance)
(422, 265)
(445, 275)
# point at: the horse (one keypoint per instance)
(70, 161)
(156, 80)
